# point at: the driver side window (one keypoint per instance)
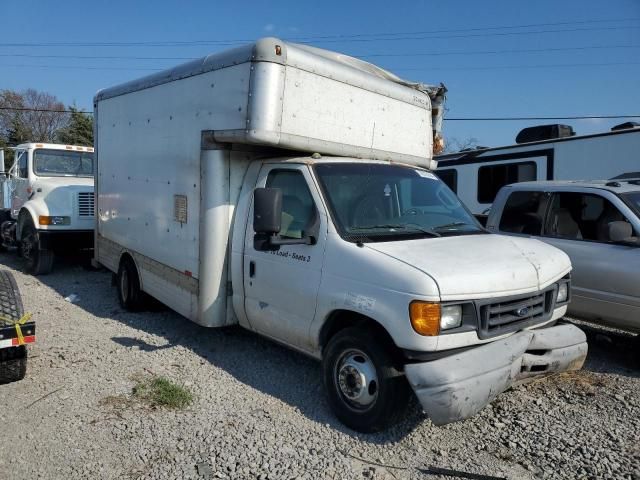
(298, 208)
(23, 170)
(582, 216)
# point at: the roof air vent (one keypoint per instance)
(625, 125)
(544, 132)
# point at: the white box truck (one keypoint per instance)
(289, 189)
(47, 202)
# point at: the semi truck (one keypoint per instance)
(47, 202)
(290, 190)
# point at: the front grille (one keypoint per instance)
(514, 313)
(86, 204)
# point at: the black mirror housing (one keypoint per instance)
(267, 210)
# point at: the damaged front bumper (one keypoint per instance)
(456, 387)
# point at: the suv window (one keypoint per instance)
(492, 178)
(298, 209)
(524, 213)
(581, 216)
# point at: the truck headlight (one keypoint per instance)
(45, 220)
(451, 317)
(428, 318)
(563, 292)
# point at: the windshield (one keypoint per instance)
(62, 163)
(633, 200)
(381, 202)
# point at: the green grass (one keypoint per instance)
(162, 392)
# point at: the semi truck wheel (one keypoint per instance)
(365, 390)
(38, 261)
(13, 364)
(131, 297)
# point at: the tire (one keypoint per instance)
(38, 261)
(10, 300)
(131, 297)
(354, 354)
(13, 364)
(13, 360)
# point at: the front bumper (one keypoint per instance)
(459, 386)
(65, 239)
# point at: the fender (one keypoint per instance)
(26, 212)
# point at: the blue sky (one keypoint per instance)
(498, 58)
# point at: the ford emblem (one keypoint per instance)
(522, 312)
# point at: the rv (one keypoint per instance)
(547, 152)
(290, 190)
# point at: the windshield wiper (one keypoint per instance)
(453, 224)
(403, 226)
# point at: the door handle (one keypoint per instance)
(252, 268)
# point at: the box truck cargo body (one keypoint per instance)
(288, 189)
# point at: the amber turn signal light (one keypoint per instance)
(425, 318)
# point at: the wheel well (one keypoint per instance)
(23, 217)
(340, 319)
(126, 257)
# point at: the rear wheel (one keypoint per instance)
(131, 297)
(38, 261)
(365, 390)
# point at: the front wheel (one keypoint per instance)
(365, 391)
(38, 261)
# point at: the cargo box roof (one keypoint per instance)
(319, 61)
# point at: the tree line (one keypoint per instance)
(33, 116)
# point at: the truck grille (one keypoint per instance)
(86, 204)
(513, 313)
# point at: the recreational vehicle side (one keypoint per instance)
(476, 176)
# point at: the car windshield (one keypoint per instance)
(382, 202)
(633, 200)
(62, 163)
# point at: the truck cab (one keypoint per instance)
(47, 202)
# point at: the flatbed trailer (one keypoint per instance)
(16, 331)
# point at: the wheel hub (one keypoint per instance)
(357, 380)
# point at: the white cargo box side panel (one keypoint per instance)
(149, 153)
(328, 110)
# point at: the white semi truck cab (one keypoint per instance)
(290, 190)
(47, 202)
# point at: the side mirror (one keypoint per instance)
(267, 210)
(620, 231)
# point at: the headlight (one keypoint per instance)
(429, 318)
(44, 220)
(563, 292)
(451, 317)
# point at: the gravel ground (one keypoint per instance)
(260, 411)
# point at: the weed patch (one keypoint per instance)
(162, 392)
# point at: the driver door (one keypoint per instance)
(281, 287)
(20, 182)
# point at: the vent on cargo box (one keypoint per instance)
(544, 132)
(625, 125)
(180, 208)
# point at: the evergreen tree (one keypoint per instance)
(79, 130)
